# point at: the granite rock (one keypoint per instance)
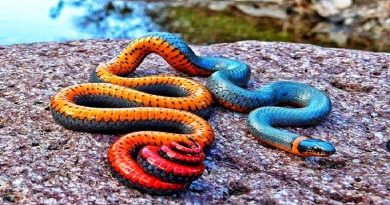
(43, 163)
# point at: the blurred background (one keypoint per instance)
(357, 24)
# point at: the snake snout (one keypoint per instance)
(316, 147)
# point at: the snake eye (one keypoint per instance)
(316, 147)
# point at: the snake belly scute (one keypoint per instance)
(163, 152)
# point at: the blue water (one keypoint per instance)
(27, 21)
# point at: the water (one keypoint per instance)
(26, 21)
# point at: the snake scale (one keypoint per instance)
(163, 152)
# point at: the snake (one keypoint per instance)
(163, 118)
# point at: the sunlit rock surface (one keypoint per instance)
(42, 162)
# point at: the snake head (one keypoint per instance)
(315, 147)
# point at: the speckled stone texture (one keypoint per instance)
(42, 162)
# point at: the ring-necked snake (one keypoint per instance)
(165, 153)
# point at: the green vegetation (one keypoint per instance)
(198, 25)
(202, 26)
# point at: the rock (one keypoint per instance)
(219, 5)
(327, 8)
(255, 11)
(342, 4)
(322, 27)
(334, 33)
(66, 167)
(340, 38)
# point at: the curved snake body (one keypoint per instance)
(164, 154)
